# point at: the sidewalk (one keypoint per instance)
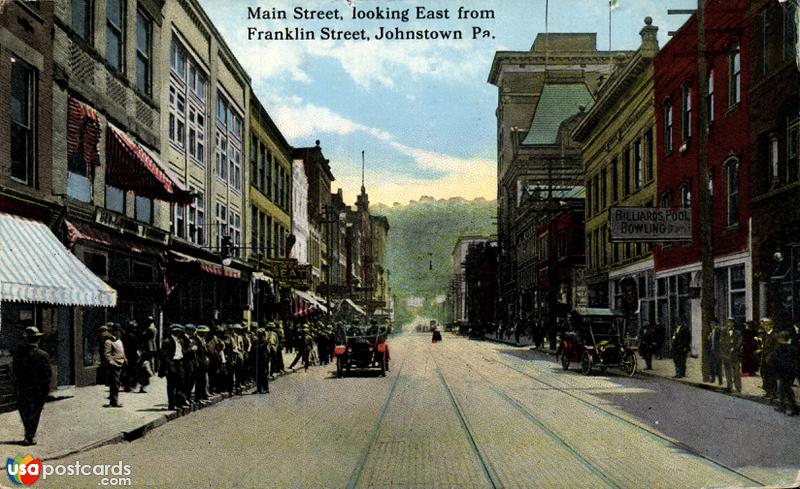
(77, 421)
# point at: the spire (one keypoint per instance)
(363, 187)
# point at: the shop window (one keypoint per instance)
(23, 110)
(97, 263)
(141, 272)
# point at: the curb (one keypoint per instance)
(141, 431)
(698, 385)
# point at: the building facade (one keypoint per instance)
(300, 212)
(379, 275)
(617, 139)
(676, 99)
(774, 151)
(458, 285)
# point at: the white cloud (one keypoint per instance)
(456, 176)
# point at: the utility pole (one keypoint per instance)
(707, 296)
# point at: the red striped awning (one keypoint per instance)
(206, 266)
(82, 232)
(83, 134)
(132, 167)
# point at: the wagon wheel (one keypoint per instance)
(383, 365)
(339, 367)
(586, 363)
(565, 360)
(629, 363)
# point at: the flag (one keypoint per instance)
(613, 5)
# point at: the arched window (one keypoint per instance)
(666, 200)
(686, 196)
(732, 184)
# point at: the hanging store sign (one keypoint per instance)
(647, 224)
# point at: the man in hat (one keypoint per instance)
(113, 360)
(785, 358)
(149, 340)
(731, 356)
(261, 359)
(171, 367)
(190, 346)
(681, 345)
(201, 383)
(238, 353)
(768, 344)
(304, 345)
(217, 360)
(31, 372)
(271, 339)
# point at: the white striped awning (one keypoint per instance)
(36, 267)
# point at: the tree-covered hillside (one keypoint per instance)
(421, 240)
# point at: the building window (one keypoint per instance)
(143, 211)
(198, 234)
(774, 159)
(115, 199)
(789, 31)
(603, 189)
(141, 272)
(686, 196)
(254, 162)
(187, 105)
(732, 170)
(235, 231)
(792, 144)
(686, 112)
(222, 156)
(115, 29)
(589, 210)
(710, 98)
(229, 143)
(735, 60)
(263, 168)
(614, 180)
(626, 172)
(649, 155)
(667, 126)
(144, 31)
(23, 127)
(82, 18)
(638, 169)
(222, 223)
(666, 200)
(562, 245)
(180, 221)
(764, 14)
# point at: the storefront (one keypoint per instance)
(41, 284)
(633, 292)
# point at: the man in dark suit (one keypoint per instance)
(681, 345)
(171, 366)
(32, 372)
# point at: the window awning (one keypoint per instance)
(132, 167)
(82, 232)
(83, 134)
(36, 268)
(207, 266)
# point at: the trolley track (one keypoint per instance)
(620, 419)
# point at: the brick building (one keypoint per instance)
(678, 266)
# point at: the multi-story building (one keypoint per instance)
(774, 153)
(458, 286)
(338, 242)
(678, 269)
(617, 139)
(379, 275)
(107, 144)
(318, 173)
(204, 95)
(480, 271)
(300, 212)
(541, 96)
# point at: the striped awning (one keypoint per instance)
(36, 268)
(206, 266)
(132, 167)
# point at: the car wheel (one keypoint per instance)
(629, 363)
(586, 363)
(565, 360)
(339, 367)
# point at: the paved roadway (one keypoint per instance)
(464, 414)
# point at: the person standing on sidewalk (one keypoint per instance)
(681, 344)
(646, 345)
(767, 367)
(201, 374)
(171, 367)
(785, 358)
(190, 346)
(149, 341)
(261, 359)
(715, 352)
(31, 372)
(114, 360)
(731, 356)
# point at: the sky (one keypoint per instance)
(421, 110)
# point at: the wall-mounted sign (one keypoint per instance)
(648, 224)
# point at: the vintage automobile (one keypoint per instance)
(596, 338)
(361, 346)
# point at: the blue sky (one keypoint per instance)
(422, 110)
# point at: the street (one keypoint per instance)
(463, 413)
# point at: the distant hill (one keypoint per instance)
(430, 226)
